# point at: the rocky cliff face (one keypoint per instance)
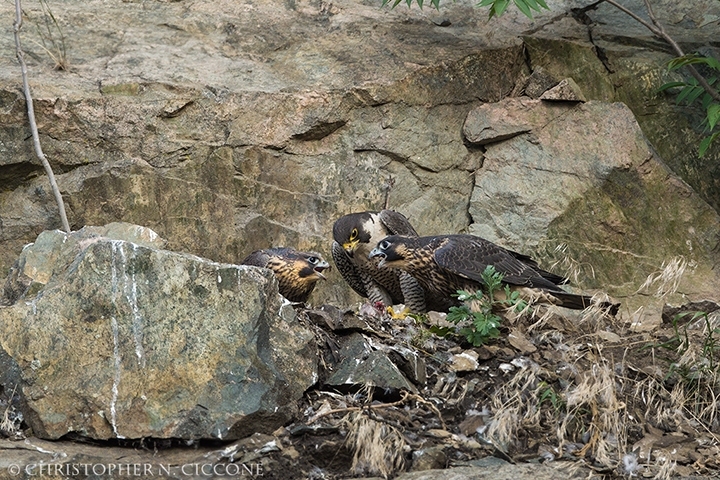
(228, 127)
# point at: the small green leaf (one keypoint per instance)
(534, 5)
(440, 331)
(697, 91)
(706, 100)
(500, 6)
(705, 144)
(693, 59)
(524, 8)
(684, 93)
(668, 85)
(713, 115)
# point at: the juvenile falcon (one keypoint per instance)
(354, 236)
(447, 263)
(296, 272)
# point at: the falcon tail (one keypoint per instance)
(581, 302)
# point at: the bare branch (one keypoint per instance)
(658, 30)
(31, 118)
(634, 16)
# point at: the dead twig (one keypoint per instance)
(31, 117)
(406, 396)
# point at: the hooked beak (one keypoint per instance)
(350, 247)
(319, 269)
(377, 253)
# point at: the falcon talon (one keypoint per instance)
(398, 315)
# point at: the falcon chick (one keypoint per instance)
(447, 263)
(296, 272)
(354, 236)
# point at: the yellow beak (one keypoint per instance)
(350, 247)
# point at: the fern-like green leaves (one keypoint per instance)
(498, 7)
(476, 320)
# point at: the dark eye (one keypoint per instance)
(353, 234)
(384, 245)
(313, 260)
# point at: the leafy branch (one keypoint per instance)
(699, 88)
(31, 117)
(691, 90)
(658, 30)
(498, 7)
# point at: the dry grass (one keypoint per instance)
(377, 446)
(572, 269)
(673, 389)
(515, 405)
(595, 411)
(52, 38)
(667, 280)
(10, 425)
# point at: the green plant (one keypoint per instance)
(497, 7)
(476, 317)
(692, 91)
(546, 393)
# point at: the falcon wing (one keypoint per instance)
(469, 256)
(257, 258)
(396, 223)
(556, 279)
(348, 270)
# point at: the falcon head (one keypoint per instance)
(296, 272)
(355, 231)
(311, 265)
(394, 251)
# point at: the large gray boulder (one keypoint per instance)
(124, 340)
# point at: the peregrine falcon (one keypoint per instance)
(447, 263)
(354, 236)
(296, 272)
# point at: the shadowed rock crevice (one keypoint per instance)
(319, 131)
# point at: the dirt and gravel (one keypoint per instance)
(557, 393)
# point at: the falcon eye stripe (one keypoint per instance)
(355, 235)
(296, 272)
